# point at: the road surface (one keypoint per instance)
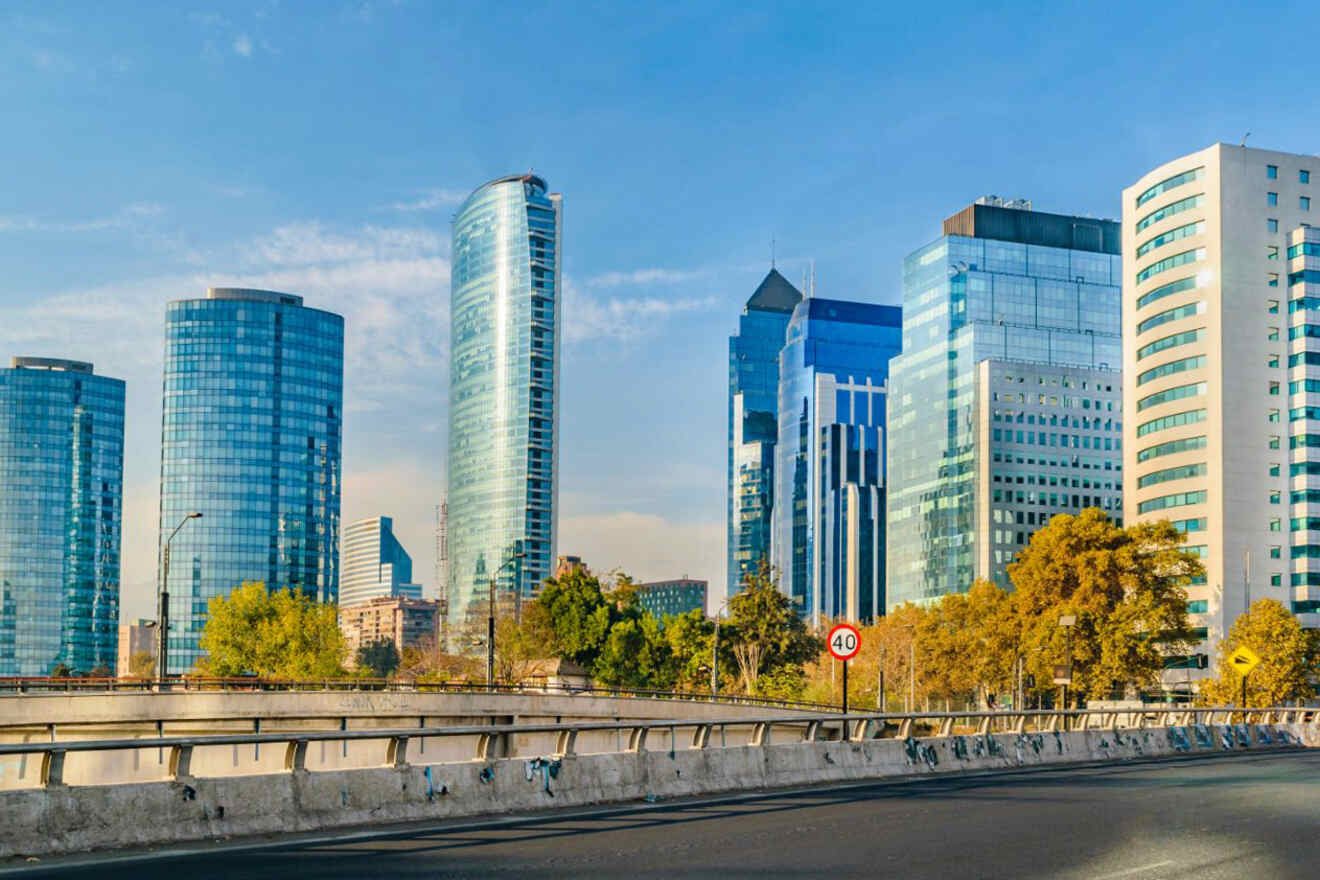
(1240, 817)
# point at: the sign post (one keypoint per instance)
(844, 641)
(1243, 660)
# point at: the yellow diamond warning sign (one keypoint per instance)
(1243, 660)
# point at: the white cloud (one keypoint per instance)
(645, 276)
(243, 45)
(622, 318)
(130, 216)
(430, 200)
(302, 244)
(52, 62)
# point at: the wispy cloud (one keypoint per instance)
(243, 45)
(311, 243)
(430, 200)
(645, 276)
(127, 217)
(50, 61)
(622, 318)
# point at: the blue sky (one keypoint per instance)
(320, 148)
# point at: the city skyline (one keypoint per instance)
(156, 212)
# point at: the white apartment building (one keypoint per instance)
(374, 564)
(1222, 427)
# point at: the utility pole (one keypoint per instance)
(880, 681)
(912, 672)
(715, 660)
(163, 622)
(490, 621)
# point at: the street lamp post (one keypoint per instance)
(163, 618)
(715, 653)
(490, 621)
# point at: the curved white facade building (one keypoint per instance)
(1215, 373)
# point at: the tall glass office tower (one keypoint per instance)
(754, 424)
(504, 389)
(1012, 285)
(61, 492)
(250, 438)
(828, 520)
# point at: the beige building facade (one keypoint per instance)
(1217, 366)
(409, 623)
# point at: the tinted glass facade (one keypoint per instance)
(667, 598)
(968, 297)
(250, 438)
(828, 541)
(61, 489)
(375, 565)
(503, 389)
(753, 424)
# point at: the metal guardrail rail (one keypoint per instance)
(490, 739)
(29, 686)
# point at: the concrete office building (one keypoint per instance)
(250, 438)
(667, 598)
(61, 495)
(1221, 346)
(1036, 295)
(408, 623)
(753, 426)
(374, 565)
(138, 637)
(506, 320)
(828, 542)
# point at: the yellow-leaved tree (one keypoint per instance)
(1288, 656)
(1123, 588)
(272, 634)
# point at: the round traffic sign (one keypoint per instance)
(844, 641)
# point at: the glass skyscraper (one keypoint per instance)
(754, 424)
(503, 389)
(375, 564)
(250, 438)
(61, 492)
(1008, 284)
(828, 520)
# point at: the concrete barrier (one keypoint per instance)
(63, 819)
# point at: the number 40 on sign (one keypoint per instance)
(844, 642)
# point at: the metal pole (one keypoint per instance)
(490, 637)
(880, 681)
(912, 672)
(163, 618)
(845, 687)
(715, 661)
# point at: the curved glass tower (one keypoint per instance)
(250, 438)
(61, 488)
(503, 389)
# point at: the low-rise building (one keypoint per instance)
(409, 623)
(666, 598)
(138, 637)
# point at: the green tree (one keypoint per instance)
(279, 634)
(142, 665)
(577, 616)
(1123, 586)
(379, 658)
(765, 631)
(691, 638)
(635, 654)
(61, 670)
(1288, 656)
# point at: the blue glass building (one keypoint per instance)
(503, 389)
(1014, 286)
(250, 438)
(828, 521)
(375, 565)
(754, 424)
(61, 493)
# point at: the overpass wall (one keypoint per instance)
(64, 819)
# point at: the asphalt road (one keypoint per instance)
(1235, 817)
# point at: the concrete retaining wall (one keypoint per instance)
(69, 819)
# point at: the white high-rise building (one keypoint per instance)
(374, 565)
(1220, 360)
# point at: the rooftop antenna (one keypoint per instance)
(1244, 139)
(813, 280)
(772, 252)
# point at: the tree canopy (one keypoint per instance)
(1288, 656)
(272, 634)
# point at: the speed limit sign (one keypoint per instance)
(844, 641)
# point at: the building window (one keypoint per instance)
(1274, 442)
(1274, 470)
(1273, 416)
(1272, 252)
(1276, 525)
(1271, 225)
(1273, 281)
(1274, 388)
(1276, 552)
(1271, 199)
(1273, 361)
(1303, 176)
(1275, 497)
(1272, 171)
(1276, 580)
(1304, 203)
(1273, 335)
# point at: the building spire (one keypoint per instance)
(772, 252)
